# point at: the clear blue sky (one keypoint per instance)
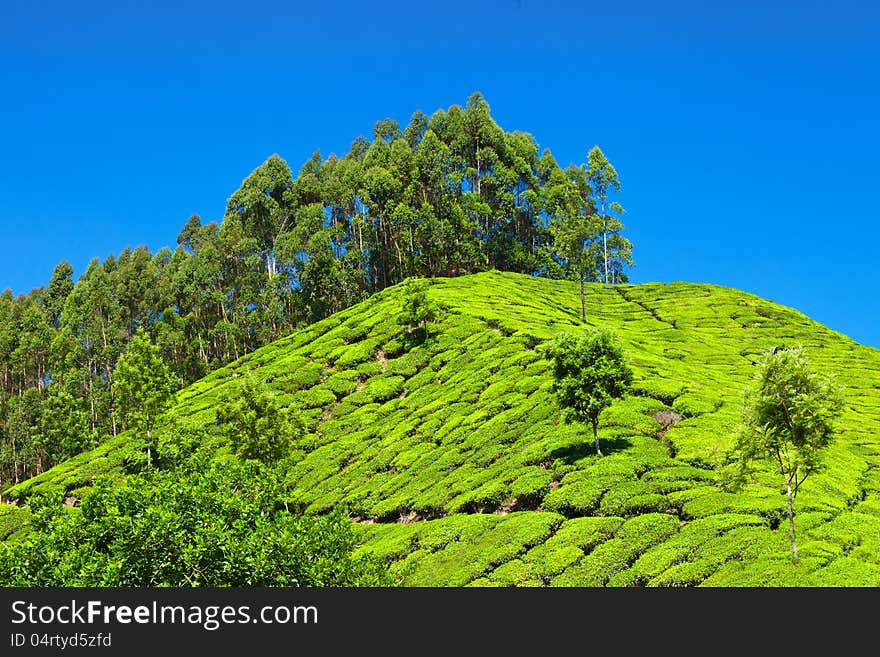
(745, 133)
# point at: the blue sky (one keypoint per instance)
(745, 133)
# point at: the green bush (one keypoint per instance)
(532, 485)
(354, 354)
(342, 383)
(14, 522)
(615, 499)
(690, 405)
(513, 573)
(315, 398)
(487, 497)
(647, 503)
(767, 505)
(614, 555)
(369, 369)
(579, 498)
(680, 472)
(305, 375)
(848, 571)
(546, 562)
(586, 533)
(219, 525)
(689, 573)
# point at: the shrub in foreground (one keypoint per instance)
(222, 524)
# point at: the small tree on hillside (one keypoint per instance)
(257, 426)
(788, 418)
(589, 371)
(418, 310)
(144, 387)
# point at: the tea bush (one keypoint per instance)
(413, 436)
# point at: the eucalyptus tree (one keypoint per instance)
(380, 193)
(387, 129)
(574, 226)
(603, 180)
(63, 424)
(263, 204)
(522, 196)
(416, 128)
(480, 144)
(20, 456)
(619, 253)
(60, 287)
(96, 335)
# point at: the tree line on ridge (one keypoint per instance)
(446, 195)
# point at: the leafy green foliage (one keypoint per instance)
(616, 250)
(144, 385)
(64, 425)
(256, 426)
(788, 418)
(589, 372)
(418, 311)
(211, 524)
(788, 415)
(14, 522)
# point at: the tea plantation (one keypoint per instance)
(452, 458)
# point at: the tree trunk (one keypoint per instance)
(149, 449)
(596, 436)
(401, 274)
(202, 350)
(791, 521)
(486, 224)
(605, 240)
(109, 373)
(360, 232)
(93, 418)
(14, 461)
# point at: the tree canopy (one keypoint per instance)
(257, 426)
(417, 310)
(589, 372)
(787, 419)
(144, 386)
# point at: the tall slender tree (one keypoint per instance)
(263, 204)
(60, 287)
(788, 419)
(603, 180)
(574, 228)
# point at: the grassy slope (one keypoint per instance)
(462, 433)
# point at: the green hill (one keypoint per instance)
(452, 457)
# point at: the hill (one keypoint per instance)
(452, 458)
